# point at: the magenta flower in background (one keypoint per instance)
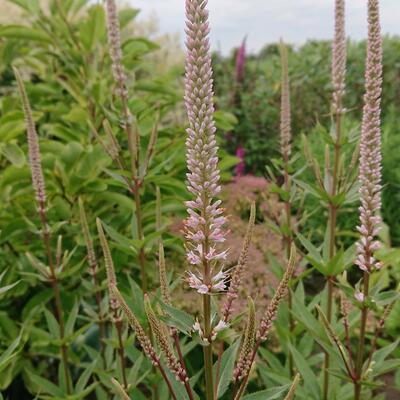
(240, 167)
(241, 61)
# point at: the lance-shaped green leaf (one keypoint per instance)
(313, 256)
(158, 209)
(274, 393)
(86, 235)
(310, 380)
(150, 147)
(335, 339)
(226, 368)
(163, 275)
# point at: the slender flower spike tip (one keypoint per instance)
(33, 144)
(114, 40)
(111, 278)
(285, 124)
(270, 315)
(204, 226)
(241, 61)
(370, 147)
(339, 57)
(160, 333)
(245, 360)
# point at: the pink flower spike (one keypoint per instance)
(370, 146)
(204, 226)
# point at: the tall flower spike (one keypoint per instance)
(114, 41)
(238, 271)
(204, 226)
(160, 333)
(370, 147)
(285, 125)
(33, 144)
(339, 57)
(270, 315)
(245, 361)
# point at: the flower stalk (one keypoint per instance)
(164, 288)
(40, 195)
(285, 142)
(130, 125)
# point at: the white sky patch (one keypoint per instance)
(265, 21)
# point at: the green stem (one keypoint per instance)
(139, 223)
(218, 369)
(208, 355)
(57, 296)
(102, 326)
(332, 235)
(121, 352)
(288, 240)
(167, 381)
(360, 352)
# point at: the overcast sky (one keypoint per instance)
(266, 21)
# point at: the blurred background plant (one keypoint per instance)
(257, 106)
